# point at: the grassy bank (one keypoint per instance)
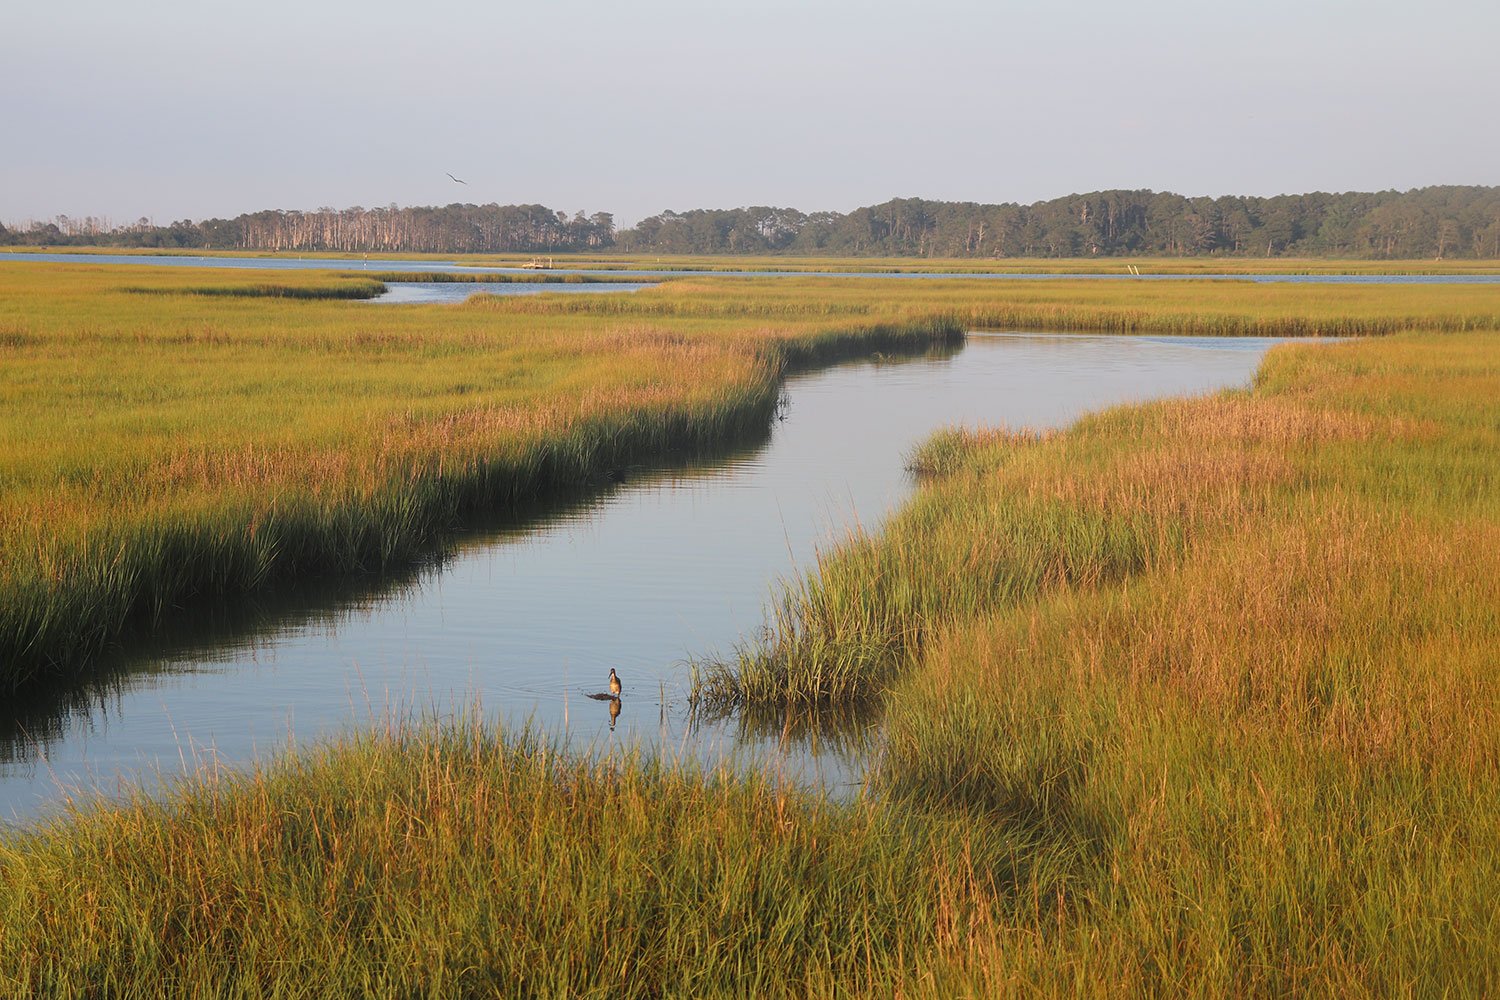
(447, 862)
(1196, 308)
(1289, 725)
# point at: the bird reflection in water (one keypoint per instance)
(613, 697)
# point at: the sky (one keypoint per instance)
(167, 110)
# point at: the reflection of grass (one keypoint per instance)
(218, 629)
(849, 730)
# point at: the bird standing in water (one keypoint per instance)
(614, 682)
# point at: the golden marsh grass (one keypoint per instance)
(1195, 698)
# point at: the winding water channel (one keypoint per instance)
(522, 620)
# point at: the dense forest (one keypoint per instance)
(1433, 222)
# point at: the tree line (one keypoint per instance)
(1432, 222)
(449, 229)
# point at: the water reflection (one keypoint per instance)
(845, 731)
(216, 632)
(525, 616)
(400, 293)
(247, 626)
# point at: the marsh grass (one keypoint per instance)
(1195, 698)
(1267, 711)
(338, 287)
(447, 861)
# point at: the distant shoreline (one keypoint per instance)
(717, 263)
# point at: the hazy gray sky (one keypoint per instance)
(173, 109)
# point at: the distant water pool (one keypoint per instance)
(402, 293)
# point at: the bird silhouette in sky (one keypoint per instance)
(455, 179)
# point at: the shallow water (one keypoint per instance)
(522, 620)
(404, 293)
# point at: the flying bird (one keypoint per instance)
(455, 179)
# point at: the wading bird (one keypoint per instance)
(614, 682)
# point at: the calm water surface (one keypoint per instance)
(523, 620)
(402, 293)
